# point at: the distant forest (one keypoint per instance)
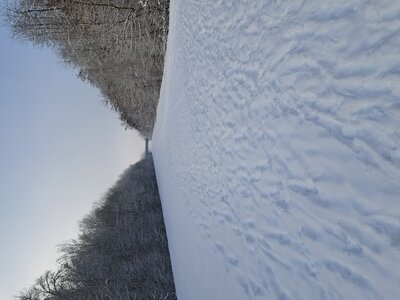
(121, 252)
(117, 46)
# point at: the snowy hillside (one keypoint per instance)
(277, 149)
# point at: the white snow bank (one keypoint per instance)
(277, 149)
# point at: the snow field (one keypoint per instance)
(276, 149)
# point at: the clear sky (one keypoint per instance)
(60, 150)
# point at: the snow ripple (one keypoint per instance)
(277, 149)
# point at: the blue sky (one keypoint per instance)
(60, 150)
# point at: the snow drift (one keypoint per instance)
(277, 149)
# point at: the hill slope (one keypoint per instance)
(277, 149)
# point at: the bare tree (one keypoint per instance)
(121, 252)
(117, 46)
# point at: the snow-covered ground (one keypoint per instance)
(277, 149)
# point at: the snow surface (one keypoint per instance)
(277, 149)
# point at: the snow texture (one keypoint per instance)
(277, 149)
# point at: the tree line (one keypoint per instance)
(121, 252)
(116, 45)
